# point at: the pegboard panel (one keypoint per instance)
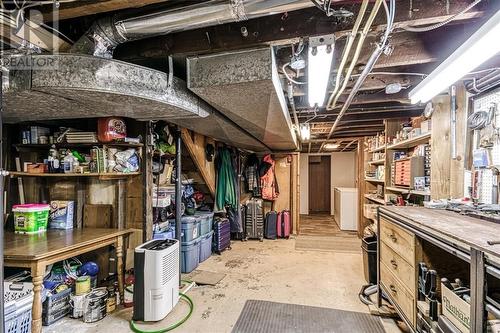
(483, 103)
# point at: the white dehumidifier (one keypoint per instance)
(156, 288)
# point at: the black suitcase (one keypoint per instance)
(254, 219)
(270, 231)
(222, 235)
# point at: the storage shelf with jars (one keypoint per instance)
(67, 152)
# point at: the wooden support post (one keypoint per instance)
(196, 147)
(37, 272)
(119, 265)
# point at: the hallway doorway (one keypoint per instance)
(319, 185)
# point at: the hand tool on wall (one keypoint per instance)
(422, 275)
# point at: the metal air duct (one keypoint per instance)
(67, 86)
(245, 87)
(107, 33)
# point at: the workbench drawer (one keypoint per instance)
(404, 300)
(398, 239)
(399, 267)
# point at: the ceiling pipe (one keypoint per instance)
(334, 97)
(107, 33)
(368, 68)
(350, 144)
(350, 41)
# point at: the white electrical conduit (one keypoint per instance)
(366, 71)
(354, 60)
(347, 50)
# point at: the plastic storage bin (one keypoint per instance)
(31, 218)
(369, 246)
(206, 246)
(18, 298)
(56, 307)
(190, 255)
(206, 222)
(190, 228)
(168, 234)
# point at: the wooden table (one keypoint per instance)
(35, 252)
(461, 236)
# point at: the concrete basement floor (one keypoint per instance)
(269, 270)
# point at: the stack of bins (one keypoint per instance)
(190, 243)
(206, 233)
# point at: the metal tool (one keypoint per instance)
(447, 283)
(422, 275)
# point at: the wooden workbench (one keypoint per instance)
(37, 251)
(401, 231)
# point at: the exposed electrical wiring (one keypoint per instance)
(288, 76)
(440, 24)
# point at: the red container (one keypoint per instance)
(111, 129)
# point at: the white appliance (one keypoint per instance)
(346, 208)
(156, 288)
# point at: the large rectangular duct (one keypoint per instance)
(245, 87)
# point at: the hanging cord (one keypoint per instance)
(187, 299)
(480, 119)
(439, 25)
(288, 76)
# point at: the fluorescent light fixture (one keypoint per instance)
(305, 132)
(480, 47)
(319, 66)
(331, 146)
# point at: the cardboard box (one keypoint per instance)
(425, 126)
(455, 309)
(61, 214)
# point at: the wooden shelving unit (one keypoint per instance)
(410, 143)
(376, 150)
(374, 180)
(79, 145)
(102, 176)
(377, 162)
(407, 191)
(375, 199)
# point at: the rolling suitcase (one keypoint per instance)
(270, 225)
(283, 224)
(222, 235)
(254, 219)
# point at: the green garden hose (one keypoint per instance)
(134, 328)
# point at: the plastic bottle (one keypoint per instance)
(68, 162)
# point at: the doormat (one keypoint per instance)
(262, 316)
(329, 244)
(206, 278)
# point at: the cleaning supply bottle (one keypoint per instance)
(68, 163)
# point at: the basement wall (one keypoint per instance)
(343, 174)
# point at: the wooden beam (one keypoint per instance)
(195, 145)
(282, 29)
(92, 7)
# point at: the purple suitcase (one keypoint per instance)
(222, 235)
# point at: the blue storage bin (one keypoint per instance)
(206, 246)
(169, 234)
(206, 222)
(190, 228)
(190, 255)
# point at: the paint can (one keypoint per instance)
(76, 302)
(82, 285)
(94, 305)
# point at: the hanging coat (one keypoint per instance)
(269, 185)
